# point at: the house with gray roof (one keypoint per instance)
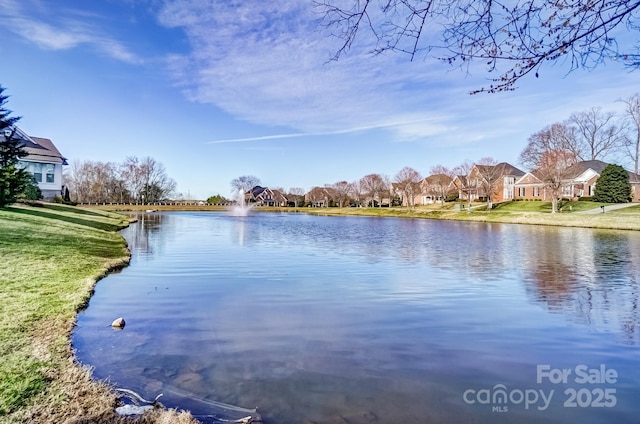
(581, 181)
(264, 196)
(584, 176)
(44, 161)
(503, 176)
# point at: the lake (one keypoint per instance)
(363, 320)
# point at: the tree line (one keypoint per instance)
(592, 134)
(132, 181)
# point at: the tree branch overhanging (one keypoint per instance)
(519, 37)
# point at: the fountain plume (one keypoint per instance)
(241, 208)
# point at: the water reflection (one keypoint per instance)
(141, 236)
(590, 276)
(388, 320)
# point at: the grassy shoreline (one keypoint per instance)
(530, 213)
(52, 257)
(624, 219)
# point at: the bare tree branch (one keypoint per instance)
(519, 36)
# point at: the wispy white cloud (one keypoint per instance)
(409, 129)
(267, 63)
(53, 30)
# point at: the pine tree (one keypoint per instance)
(13, 179)
(613, 186)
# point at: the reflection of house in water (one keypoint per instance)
(594, 282)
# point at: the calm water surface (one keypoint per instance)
(345, 319)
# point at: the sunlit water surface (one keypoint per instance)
(341, 319)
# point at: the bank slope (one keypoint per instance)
(50, 258)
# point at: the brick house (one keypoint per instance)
(581, 182)
(502, 177)
(584, 176)
(530, 187)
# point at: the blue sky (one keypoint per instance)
(218, 89)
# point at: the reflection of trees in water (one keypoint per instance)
(614, 266)
(551, 268)
(479, 248)
(141, 235)
(591, 276)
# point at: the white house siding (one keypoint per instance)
(42, 155)
(49, 189)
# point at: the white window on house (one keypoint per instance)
(49, 171)
(508, 193)
(536, 192)
(36, 171)
(522, 191)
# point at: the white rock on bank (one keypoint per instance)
(128, 410)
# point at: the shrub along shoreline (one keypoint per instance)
(52, 257)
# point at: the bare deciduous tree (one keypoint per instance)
(244, 183)
(341, 191)
(408, 183)
(132, 175)
(134, 180)
(357, 192)
(373, 185)
(157, 184)
(546, 154)
(466, 185)
(488, 176)
(513, 38)
(95, 182)
(597, 135)
(632, 133)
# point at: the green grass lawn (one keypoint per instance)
(538, 206)
(50, 258)
(51, 255)
(536, 213)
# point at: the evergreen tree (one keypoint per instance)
(31, 191)
(613, 186)
(13, 179)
